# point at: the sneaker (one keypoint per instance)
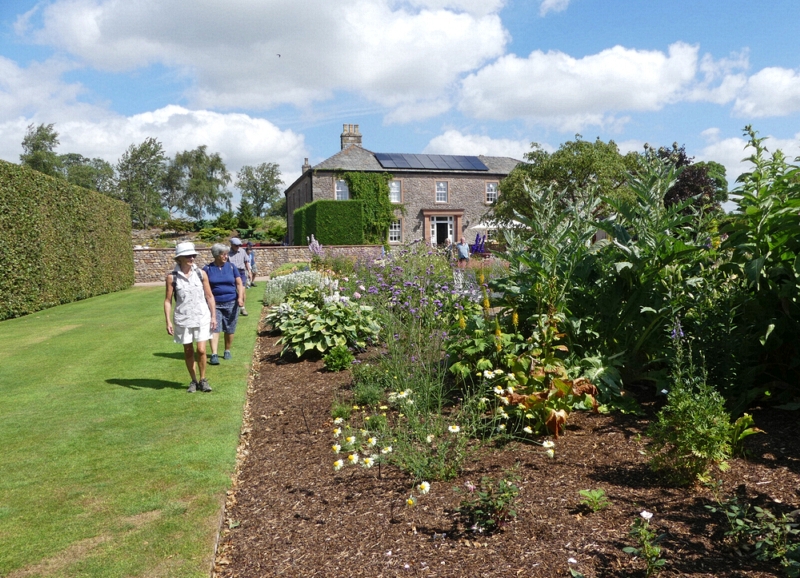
(192, 387)
(243, 312)
(227, 354)
(214, 359)
(204, 385)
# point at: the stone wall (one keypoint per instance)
(152, 265)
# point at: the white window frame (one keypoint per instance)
(494, 192)
(435, 219)
(445, 191)
(342, 190)
(399, 191)
(396, 227)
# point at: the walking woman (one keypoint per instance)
(228, 290)
(194, 304)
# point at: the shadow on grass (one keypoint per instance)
(147, 383)
(170, 355)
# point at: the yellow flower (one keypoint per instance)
(411, 501)
(337, 432)
(424, 488)
(454, 429)
(338, 420)
(371, 442)
(527, 429)
(386, 450)
(515, 318)
(551, 453)
(336, 448)
(337, 465)
(350, 439)
(462, 323)
(356, 407)
(384, 407)
(353, 458)
(367, 462)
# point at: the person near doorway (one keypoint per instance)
(462, 249)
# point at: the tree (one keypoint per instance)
(261, 186)
(95, 174)
(141, 171)
(576, 168)
(196, 182)
(246, 217)
(705, 181)
(38, 148)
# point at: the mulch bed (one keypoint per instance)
(290, 514)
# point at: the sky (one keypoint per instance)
(275, 80)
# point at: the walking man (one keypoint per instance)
(241, 260)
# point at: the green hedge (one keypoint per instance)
(331, 222)
(59, 243)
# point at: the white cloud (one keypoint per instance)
(732, 152)
(381, 49)
(453, 142)
(556, 89)
(552, 6)
(770, 92)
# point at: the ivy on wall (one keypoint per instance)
(59, 242)
(373, 190)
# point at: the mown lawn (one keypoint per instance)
(107, 466)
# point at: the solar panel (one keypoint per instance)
(430, 162)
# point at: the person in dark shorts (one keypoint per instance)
(238, 257)
(226, 286)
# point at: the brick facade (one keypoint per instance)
(152, 265)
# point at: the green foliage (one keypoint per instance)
(693, 430)
(647, 541)
(260, 185)
(308, 321)
(226, 220)
(38, 149)
(490, 506)
(341, 409)
(372, 189)
(196, 183)
(245, 216)
(213, 234)
(595, 500)
(741, 429)
(338, 358)
(771, 537)
(95, 174)
(334, 222)
(141, 170)
(179, 225)
(59, 242)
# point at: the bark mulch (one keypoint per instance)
(289, 514)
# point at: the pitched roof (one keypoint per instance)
(356, 158)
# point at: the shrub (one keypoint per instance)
(60, 243)
(277, 288)
(338, 358)
(490, 506)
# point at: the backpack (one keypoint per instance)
(175, 281)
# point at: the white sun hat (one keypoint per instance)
(184, 249)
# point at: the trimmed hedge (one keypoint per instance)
(331, 222)
(59, 243)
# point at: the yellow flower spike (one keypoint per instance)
(515, 319)
(462, 323)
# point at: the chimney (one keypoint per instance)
(350, 136)
(306, 166)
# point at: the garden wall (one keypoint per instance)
(58, 242)
(152, 265)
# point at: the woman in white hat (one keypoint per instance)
(194, 312)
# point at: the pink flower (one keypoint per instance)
(470, 486)
(357, 295)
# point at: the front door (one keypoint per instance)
(441, 229)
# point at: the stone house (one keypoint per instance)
(445, 196)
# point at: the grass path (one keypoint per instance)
(107, 466)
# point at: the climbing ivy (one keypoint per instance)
(373, 190)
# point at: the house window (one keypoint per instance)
(491, 193)
(342, 192)
(395, 192)
(395, 232)
(441, 191)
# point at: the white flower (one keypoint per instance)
(424, 488)
(501, 427)
(386, 450)
(453, 429)
(510, 389)
(664, 391)
(551, 453)
(353, 458)
(488, 374)
(527, 429)
(337, 465)
(572, 561)
(529, 415)
(368, 462)
(548, 444)
(336, 448)
(337, 432)
(499, 390)
(371, 442)
(429, 438)
(498, 372)
(484, 400)
(350, 439)
(411, 501)
(646, 515)
(363, 432)
(338, 420)
(504, 400)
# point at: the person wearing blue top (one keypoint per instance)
(228, 290)
(252, 256)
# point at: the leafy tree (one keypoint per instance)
(703, 181)
(576, 168)
(278, 209)
(261, 186)
(141, 171)
(196, 183)
(226, 220)
(38, 148)
(95, 174)
(245, 217)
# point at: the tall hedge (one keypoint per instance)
(331, 222)
(58, 242)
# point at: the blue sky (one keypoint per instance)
(418, 76)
